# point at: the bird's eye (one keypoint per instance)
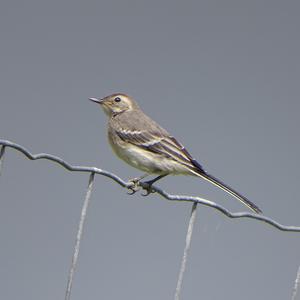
(117, 99)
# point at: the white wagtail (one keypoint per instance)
(143, 144)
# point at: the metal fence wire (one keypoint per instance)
(92, 171)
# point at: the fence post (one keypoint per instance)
(186, 250)
(79, 235)
(295, 289)
(2, 151)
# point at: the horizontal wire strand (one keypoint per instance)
(164, 194)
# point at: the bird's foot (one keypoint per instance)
(135, 186)
(147, 187)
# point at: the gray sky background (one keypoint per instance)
(222, 76)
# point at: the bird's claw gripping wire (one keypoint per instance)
(147, 187)
(134, 187)
(137, 184)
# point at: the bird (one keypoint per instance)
(142, 143)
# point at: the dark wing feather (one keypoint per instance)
(198, 167)
(162, 144)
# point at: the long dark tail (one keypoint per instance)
(215, 181)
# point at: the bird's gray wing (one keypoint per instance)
(159, 142)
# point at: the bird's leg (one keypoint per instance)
(150, 182)
(135, 182)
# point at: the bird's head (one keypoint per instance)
(115, 104)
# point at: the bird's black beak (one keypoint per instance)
(96, 100)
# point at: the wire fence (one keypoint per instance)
(92, 171)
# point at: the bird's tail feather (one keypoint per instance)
(215, 181)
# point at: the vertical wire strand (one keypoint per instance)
(296, 285)
(186, 250)
(2, 151)
(79, 235)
